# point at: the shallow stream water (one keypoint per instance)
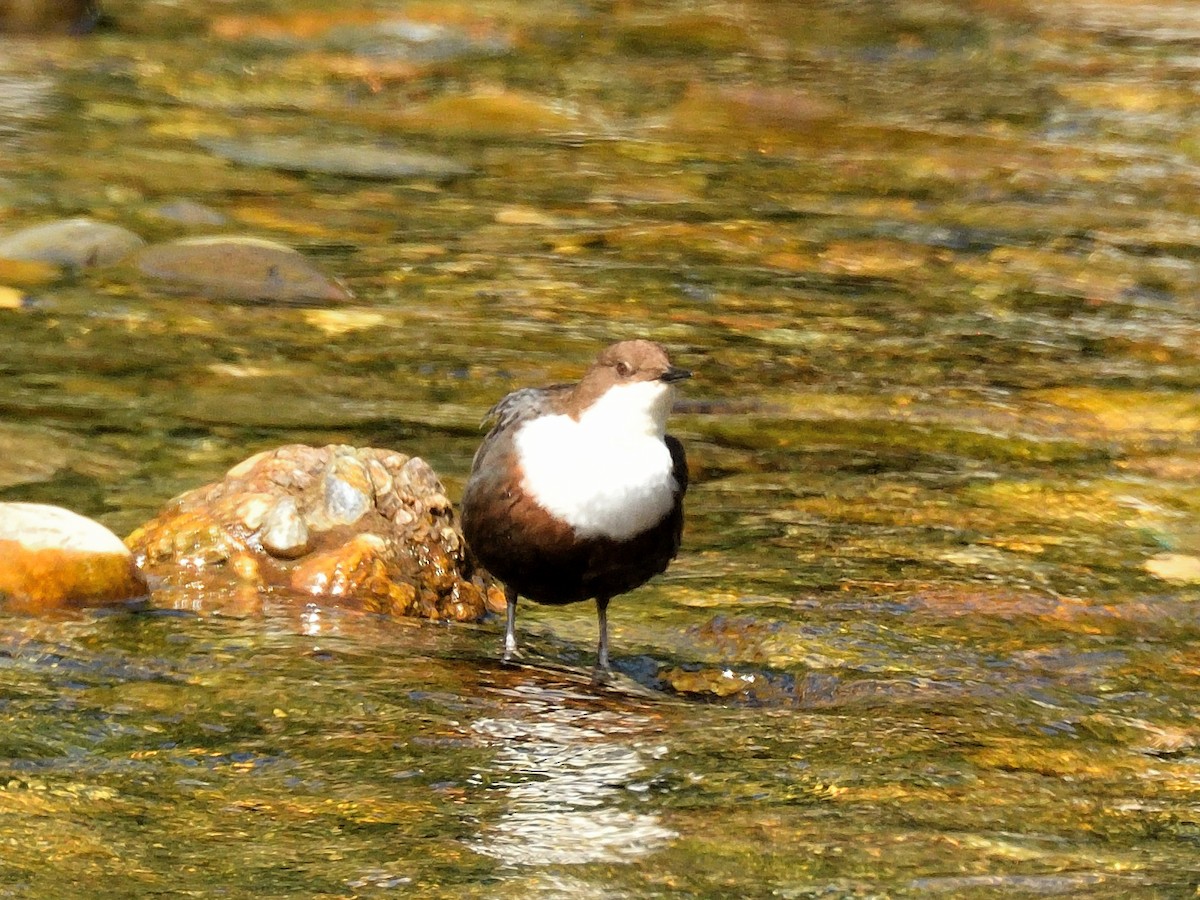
(936, 266)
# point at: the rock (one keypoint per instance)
(489, 113)
(741, 115)
(424, 36)
(525, 217)
(1176, 567)
(239, 268)
(348, 491)
(29, 455)
(48, 16)
(417, 41)
(80, 243)
(713, 682)
(682, 32)
(284, 531)
(11, 298)
(27, 272)
(189, 212)
(52, 558)
(1140, 735)
(292, 154)
(357, 528)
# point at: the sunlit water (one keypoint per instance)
(932, 632)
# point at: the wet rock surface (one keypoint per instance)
(238, 268)
(340, 526)
(53, 559)
(326, 158)
(79, 242)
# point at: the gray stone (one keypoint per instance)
(189, 212)
(284, 532)
(347, 491)
(78, 242)
(291, 154)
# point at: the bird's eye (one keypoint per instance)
(623, 369)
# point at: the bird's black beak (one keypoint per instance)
(674, 374)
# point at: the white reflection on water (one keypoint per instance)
(567, 773)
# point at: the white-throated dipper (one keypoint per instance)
(577, 491)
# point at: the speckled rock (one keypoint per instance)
(341, 526)
(52, 558)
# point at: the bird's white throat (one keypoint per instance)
(609, 473)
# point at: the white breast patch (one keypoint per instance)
(609, 474)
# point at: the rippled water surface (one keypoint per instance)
(934, 628)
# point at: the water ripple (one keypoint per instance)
(565, 777)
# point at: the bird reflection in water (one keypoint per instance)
(568, 770)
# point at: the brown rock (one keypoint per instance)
(77, 243)
(357, 528)
(714, 682)
(52, 558)
(359, 569)
(48, 16)
(751, 114)
(238, 268)
(495, 112)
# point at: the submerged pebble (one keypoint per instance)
(292, 154)
(239, 268)
(417, 41)
(28, 272)
(189, 212)
(1179, 568)
(11, 298)
(79, 242)
(489, 112)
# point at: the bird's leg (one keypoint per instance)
(510, 624)
(603, 671)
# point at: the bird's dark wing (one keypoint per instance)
(679, 466)
(525, 404)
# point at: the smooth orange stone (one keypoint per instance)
(52, 558)
(37, 581)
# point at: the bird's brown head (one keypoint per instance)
(626, 363)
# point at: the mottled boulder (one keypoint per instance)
(52, 558)
(340, 526)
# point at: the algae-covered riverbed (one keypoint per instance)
(933, 631)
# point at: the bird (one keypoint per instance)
(576, 491)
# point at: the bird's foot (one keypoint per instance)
(511, 653)
(603, 675)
